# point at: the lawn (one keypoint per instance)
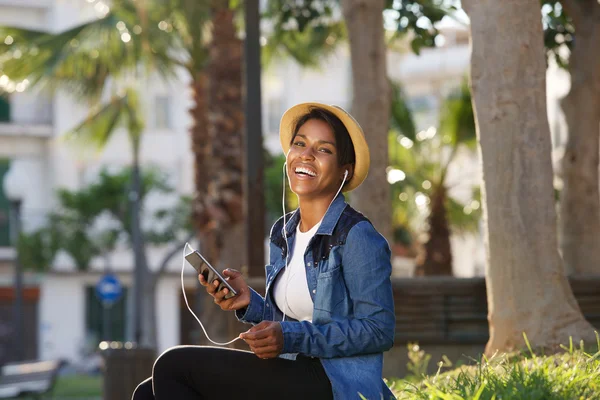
(78, 386)
(573, 373)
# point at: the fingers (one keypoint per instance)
(264, 342)
(235, 302)
(266, 352)
(258, 331)
(265, 339)
(231, 273)
(234, 278)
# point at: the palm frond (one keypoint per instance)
(104, 119)
(464, 218)
(100, 124)
(306, 47)
(81, 59)
(401, 115)
(457, 120)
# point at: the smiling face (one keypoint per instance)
(313, 163)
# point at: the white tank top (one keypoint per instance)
(293, 281)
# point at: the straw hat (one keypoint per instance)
(361, 149)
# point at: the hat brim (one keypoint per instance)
(361, 149)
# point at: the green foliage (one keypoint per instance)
(303, 30)
(457, 120)
(559, 30)
(74, 227)
(102, 121)
(416, 17)
(37, 249)
(307, 46)
(401, 116)
(78, 386)
(573, 374)
(419, 17)
(418, 361)
(421, 160)
(273, 181)
(299, 14)
(273, 174)
(81, 59)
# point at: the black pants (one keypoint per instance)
(206, 373)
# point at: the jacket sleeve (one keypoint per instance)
(253, 313)
(366, 268)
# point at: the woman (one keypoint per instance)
(328, 314)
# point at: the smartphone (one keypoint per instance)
(209, 273)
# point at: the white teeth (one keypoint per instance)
(305, 170)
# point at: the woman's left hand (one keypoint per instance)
(265, 339)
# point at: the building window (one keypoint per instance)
(95, 325)
(162, 115)
(4, 109)
(4, 208)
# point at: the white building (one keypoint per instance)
(30, 138)
(30, 132)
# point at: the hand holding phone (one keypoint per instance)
(209, 273)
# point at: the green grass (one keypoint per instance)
(78, 386)
(571, 374)
(75, 387)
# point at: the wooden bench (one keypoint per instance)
(32, 379)
(450, 311)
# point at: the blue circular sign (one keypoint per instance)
(109, 289)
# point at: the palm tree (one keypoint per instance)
(96, 58)
(419, 165)
(137, 37)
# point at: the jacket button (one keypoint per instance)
(314, 291)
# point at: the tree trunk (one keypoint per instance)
(142, 331)
(219, 162)
(437, 253)
(580, 198)
(527, 288)
(200, 150)
(225, 121)
(371, 105)
(149, 321)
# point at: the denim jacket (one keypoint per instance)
(348, 273)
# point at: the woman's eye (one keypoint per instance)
(325, 151)
(298, 144)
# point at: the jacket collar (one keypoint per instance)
(329, 221)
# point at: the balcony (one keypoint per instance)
(26, 114)
(25, 124)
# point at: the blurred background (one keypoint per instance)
(128, 128)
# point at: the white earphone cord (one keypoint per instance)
(284, 271)
(188, 304)
(287, 281)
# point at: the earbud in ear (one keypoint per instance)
(345, 174)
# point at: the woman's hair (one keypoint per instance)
(343, 142)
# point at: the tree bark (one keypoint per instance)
(219, 161)
(527, 288)
(436, 258)
(579, 220)
(143, 332)
(371, 105)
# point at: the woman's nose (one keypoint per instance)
(307, 153)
